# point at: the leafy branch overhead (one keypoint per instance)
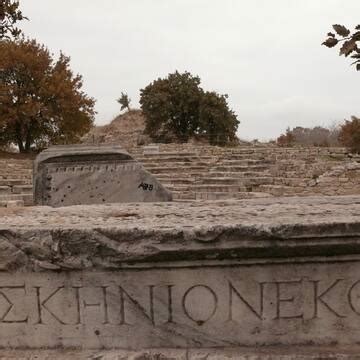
(9, 15)
(349, 42)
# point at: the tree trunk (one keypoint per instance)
(20, 145)
(28, 141)
(19, 139)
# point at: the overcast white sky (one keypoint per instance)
(265, 55)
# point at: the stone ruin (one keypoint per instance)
(78, 175)
(192, 172)
(256, 279)
(138, 277)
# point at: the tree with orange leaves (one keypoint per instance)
(350, 134)
(41, 100)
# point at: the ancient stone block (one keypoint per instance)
(74, 175)
(140, 308)
(151, 149)
(259, 279)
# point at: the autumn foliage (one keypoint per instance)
(41, 100)
(316, 136)
(349, 42)
(350, 134)
(285, 140)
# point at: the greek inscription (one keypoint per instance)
(351, 296)
(236, 292)
(229, 302)
(211, 293)
(318, 298)
(42, 305)
(103, 305)
(170, 304)
(125, 296)
(10, 307)
(280, 299)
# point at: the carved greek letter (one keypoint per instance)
(233, 290)
(350, 297)
(42, 305)
(280, 300)
(124, 295)
(185, 306)
(3, 318)
(103, 304)
(170, 307)
(319, 298)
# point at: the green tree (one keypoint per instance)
(350, 134)
(177, 106)
(217, 121)
(124, 101)
(349, 42)
(41, 100)
(9, 15)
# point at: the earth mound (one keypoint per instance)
(126, 130)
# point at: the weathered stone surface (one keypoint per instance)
(229, 275)
(182, 307)
(103, 236)
(267, 353)
(79, 174)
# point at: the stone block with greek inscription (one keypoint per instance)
(79, 174)
(256, 279)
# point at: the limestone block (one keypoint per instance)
(151, 149)
(74, 175)
(209, 276)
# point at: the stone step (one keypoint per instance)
(16, 177)
(227, 195)
(13, 182)
(22, 189)
(186, 175)
(27, 198)
(208, 188)
(280, 190)
(170, 154)
(190, 195)
(16, 189)
(239, 174)
(245, 157)
(303, 182)
(239, 168)
(11, 203)
(170, 169)
(245, 162)
(160, 160)
(175, 181)
(175, 156)
(184, 195)
(4, 190)
(237, 181)
(175, 164)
